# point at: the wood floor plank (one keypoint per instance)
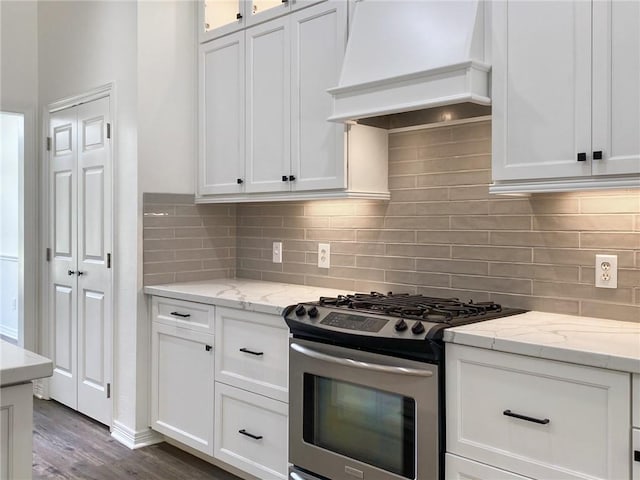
(70, 446)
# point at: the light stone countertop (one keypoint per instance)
(609, 344)
(18, 365)
(254, 295)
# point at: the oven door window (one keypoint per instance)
(369, 425)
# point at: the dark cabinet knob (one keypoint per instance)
(80, 272)
(292, 178)
(285, 1)
(239, 181)
(238, 16)
(71, 272)
(597, 155)
(285, 178)
(208, 348)
(582, 157)
(636, 456)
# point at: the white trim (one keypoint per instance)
(565, 185)
(135, 439)
(9, 258)
(98, 92)
(290, 196)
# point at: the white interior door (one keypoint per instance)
(81, 282)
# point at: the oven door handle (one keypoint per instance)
(348, 362)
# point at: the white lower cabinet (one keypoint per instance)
(538, 418)
(182, 381)
(251, 432)
(458, 468)
(16, 426)
(635, 469)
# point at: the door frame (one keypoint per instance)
(28, 228)
(46, 337)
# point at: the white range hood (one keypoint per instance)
(407, 55)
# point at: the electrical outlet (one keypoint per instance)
(324, 255)
(607, 271)
(277, 252)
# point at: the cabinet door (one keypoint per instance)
(268, 107)
(616, 87)
(221, 163)
(182, 385)
(541, 89)
(220, 17)
(318, 38)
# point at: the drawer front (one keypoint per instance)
(252, 352)
(458, 468)
(191, 315)
(539, 418)
(251, 432)
(635, 399)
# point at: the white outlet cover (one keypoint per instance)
(277, 252)
(606, 271)
(324, 255)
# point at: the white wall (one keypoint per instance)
(83, 45)
(167, 78)
(19, 93)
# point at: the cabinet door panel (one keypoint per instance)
(222, 115)
(182, 385)
(541, 89)
(318, 39)
(219, 17)
(268, 106)
(616, 87)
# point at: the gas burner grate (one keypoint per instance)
(415, 307)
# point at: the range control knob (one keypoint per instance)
(417, 328)
(401, 325)
(313, 312)
(300, 310)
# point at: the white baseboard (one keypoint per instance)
(134, 439)
(40, 388)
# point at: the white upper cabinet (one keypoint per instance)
(566, 102)
(264, 133)
(221, 158)
(268, 93)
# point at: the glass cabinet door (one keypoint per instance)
(261, 10)
(220, 17)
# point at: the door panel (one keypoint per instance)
(318, 40)
(268, 114)
(63, 239)
(94, 284)
(616, 95)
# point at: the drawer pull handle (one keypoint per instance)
(181, 315)
(636, 456)
(246, 350)
(255, 437)
(509, 413)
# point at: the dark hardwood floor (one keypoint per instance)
(68, 445)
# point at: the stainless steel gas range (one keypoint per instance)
(366, 384)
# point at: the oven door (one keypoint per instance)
(359, 415)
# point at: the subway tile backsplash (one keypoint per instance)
(441, 234)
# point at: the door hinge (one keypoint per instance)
(108, 260)
(108, 130)
(108, 390)
(48, 254)
(48, 144)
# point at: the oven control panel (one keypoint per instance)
(354, 322)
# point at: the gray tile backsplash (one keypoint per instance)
(440, 234)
